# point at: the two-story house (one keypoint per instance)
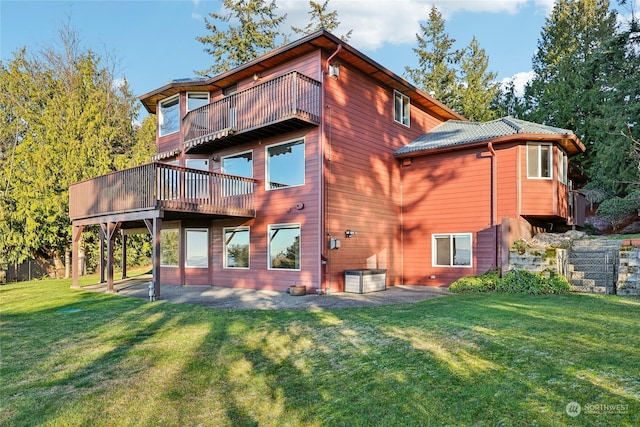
(312, 160)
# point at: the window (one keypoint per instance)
(236, 247)
(169, 118)
(539, 161)
(197, 100)
(401, 108)
(169, 247)
(451, 250)
(197, 243)
(563, 166)
(284, 246)
(285, 165)
(238, 165)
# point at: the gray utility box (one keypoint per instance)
(367, 280)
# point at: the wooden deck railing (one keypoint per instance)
(158, 185)
(292, 95)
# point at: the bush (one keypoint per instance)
(513, 282)
(616, 209)
(476, 284)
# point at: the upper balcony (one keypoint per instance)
(127, 194)
(282, 104)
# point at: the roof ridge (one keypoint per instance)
(511, 122)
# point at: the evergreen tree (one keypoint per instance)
(252, 30)
(571, 89)
(437, 61)
(321, 19)
(63, 120)
(478, 88)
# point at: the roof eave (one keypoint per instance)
(570, 142)
(318, 40)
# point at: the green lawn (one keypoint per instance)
(72, 357)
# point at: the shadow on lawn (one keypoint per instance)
(515, 360)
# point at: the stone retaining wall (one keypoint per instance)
(629, 271)
(533, 260)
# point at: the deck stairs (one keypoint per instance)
(592, 265)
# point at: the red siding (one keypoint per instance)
(362, 177)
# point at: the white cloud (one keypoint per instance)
(519, 80)
(196, 16)
(119, 82)
(394, 22)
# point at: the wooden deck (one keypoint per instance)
(288, 102)
(158, 186)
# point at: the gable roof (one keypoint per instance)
(456, 134)
(320, 40)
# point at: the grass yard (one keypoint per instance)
(72, 357)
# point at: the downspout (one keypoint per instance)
(324, 186)
(494, 203)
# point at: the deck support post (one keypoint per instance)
(101, 260)
(110, 229)
(155, 226)
(123, 237)
(76, 232)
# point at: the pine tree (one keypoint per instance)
(478, 88)
(567, 90)
(437, 61)
(321, 19)
(255, 33)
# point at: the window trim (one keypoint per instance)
(200, 93)
(539, 160)
(224, 247)
(171, 229)
(284, 226)
(161, 118)
(403, 98)
(186, 246)
(267, 169)
(434, 248)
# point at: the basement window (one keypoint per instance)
(197, 243)
(236, 247)
(169, 247)
(284, 246)
(451, 250)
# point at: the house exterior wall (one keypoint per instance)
(292, 205)
(454, 192)
(444, 194)
(362, 177)
(553, 192)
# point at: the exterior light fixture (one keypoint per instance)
(350, 233)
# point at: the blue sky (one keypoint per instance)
(154, 41)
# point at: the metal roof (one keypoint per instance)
(454, 134)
